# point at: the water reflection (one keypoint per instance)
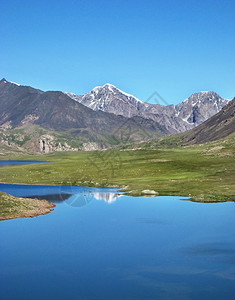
(136, 248)
(107, 197)
(83, 198)
(55, 198)
(75, 196)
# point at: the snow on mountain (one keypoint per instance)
(109, 98)
(14, 83)
(5, 81)
(188, 114)
(199, 107)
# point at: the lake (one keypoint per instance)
(98, 244)
(4, 163)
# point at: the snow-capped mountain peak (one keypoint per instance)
(113, 89)
(199, 107)
(108, 88)
(14, 83)
(202, 97)
(184, 116)
(5, 81)
(109, 98)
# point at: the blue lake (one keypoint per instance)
(98, 244)
(4, 163)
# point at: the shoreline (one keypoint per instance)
(19, 207)
(192, 172)
(202, 198)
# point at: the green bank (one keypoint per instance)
(202, 172)
(17, 207)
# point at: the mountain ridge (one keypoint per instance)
(72, 125)
(22, 106)
(217, 127)
(176, 118)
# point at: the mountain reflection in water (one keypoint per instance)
(81, 197)
(72, 195)
(135, 248)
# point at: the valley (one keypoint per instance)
(201, 172)
(117, 150)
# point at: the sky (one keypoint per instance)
(174, 48)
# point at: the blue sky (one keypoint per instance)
(173, 47)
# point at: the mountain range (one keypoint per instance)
(176, 118)
(106, 116)
(22, 107)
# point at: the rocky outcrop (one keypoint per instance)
(90, 146)
(48, 144)
(150, 192)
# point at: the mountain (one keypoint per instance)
(47, 121)
(110, 99)
(217, 127)
(190, 113)
(199, 107)
(56, 112)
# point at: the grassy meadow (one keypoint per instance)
(202, 172)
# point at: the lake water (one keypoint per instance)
(98, 244)
(4, 163)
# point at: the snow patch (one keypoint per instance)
(186, 119)
(112, 88)
(13, 83)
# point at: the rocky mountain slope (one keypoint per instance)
(55, 112)
(110, 99)
(217, 127)
(190, 113)
(51, 121)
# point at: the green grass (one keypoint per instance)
(10, 205)
(14, 207)
(7, 204)
(203, 172)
